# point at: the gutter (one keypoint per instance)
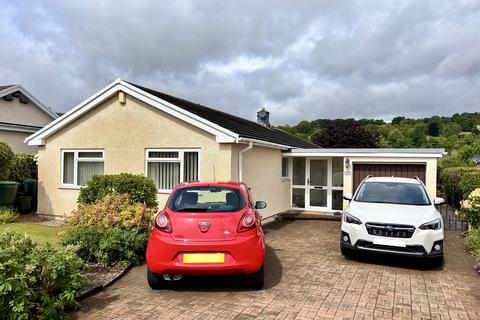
(240, 160)
(265, 143)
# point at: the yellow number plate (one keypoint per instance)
(203, 258)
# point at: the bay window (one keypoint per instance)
(79, 166)
(167, 168)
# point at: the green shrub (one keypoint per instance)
(22, 166)
(140, 188)
(470, 181)
(458, 183)
(107, 245)
(37, 281)
(7, 216)
(112, 210)
(6, 156)
(472, 241)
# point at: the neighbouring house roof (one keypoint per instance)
(226, 128)
(6, 86)
(373, 152)
(6, 90)
(18, 127)
(243, 127)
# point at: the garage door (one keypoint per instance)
(362, 170)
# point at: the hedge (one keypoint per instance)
(22, 166)
(141, 189)
(6, 157)
(458, 183)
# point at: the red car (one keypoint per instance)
(207, 228)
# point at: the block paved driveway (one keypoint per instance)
(306, 278)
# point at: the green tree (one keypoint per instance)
(347, 134)
(396, 139)
(417, 134)
(397, 120)
(433, 128)
(450, 128)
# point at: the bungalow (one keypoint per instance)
(126, 127)
(21, 114)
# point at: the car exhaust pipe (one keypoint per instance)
(172, 277)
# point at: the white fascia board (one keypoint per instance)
(364, 155)
(178, 112)
(30, 96)
(118, 85)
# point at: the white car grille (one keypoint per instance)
(390, 230)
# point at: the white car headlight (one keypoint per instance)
(432, 225)
(348, 218)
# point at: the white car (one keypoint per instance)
(394, 216)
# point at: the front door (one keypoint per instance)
(317, 185)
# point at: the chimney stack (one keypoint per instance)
(263, 117)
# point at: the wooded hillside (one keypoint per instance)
(450, 133)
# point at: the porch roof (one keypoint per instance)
(368, 152)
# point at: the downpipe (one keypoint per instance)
(240, 160)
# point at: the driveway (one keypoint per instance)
(306, 278)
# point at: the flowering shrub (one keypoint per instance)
(112, 210)
(37, 281)
(470, 208)
(109, 230)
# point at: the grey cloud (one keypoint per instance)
(315, 58)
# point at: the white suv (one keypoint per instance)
(394, 216)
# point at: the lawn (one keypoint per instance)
(39, 233)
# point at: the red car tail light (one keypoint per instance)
(247, 221)
(162, 222)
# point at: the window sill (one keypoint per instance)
(285, 179)
(70, 187)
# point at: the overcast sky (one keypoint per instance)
(303, 60)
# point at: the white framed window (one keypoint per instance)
(169, 167)
(285, 168)
(79, 166)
